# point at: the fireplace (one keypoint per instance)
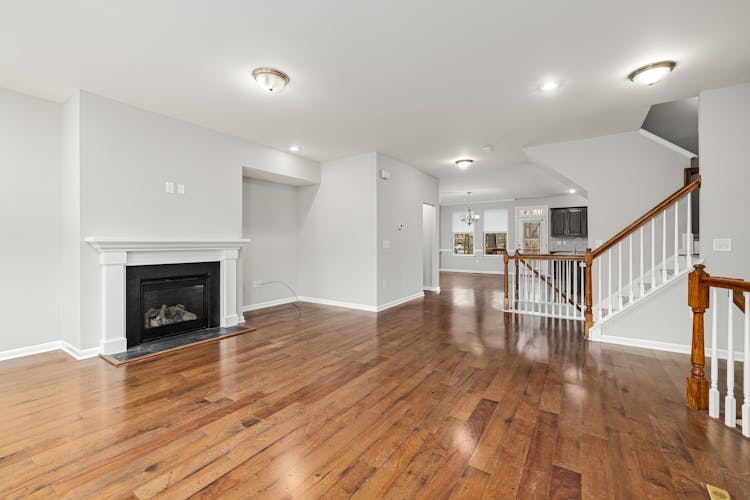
(169, 299)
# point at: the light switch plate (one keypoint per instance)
(722, 244)
(386, 243)
(180, 188)
(169, 187)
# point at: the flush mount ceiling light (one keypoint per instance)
(652, 73)
(270, 79)
(464, 163)
(549, 86)
(294, 149)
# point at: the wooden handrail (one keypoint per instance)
(548, 256)
(727, 283)
(647, 217)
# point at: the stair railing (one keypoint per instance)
(545, 285)
(612, 277)
(703, 290)
(641, 258)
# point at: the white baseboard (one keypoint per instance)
(362, 307)
(400, 301)
(78, 354)
(56, 345)
(663, 346)
(435, 289)
(268, 303)
(336, 303)
(469, 271)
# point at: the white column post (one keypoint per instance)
(730, 403)
(113, 338)
(228, 273)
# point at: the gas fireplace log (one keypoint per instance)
(166, 315)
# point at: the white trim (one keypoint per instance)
(28, 351)
(400, 301)
(661, 346)
(469, 271)
(123, 245)
(268, 303)
(674, 147)
(79, 354)
(435, 289)
(336, 303)
(362, 307)
(56, 345)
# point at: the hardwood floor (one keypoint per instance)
(445, 397)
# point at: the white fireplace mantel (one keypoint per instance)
(115, 254)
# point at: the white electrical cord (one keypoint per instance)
(298, 304)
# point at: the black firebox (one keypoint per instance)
(169, 299)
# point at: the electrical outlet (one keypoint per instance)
(722, 244)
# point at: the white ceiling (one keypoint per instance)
(424, 81)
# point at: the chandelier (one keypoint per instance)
(469, 217)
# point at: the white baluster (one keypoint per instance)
(526, 287)
(599, 272)
(546, 288)
(746, 371)
(689, 237)
(653, 253)
(569, 287)
(630, 268)
(558, 284)
(619, 276)
(730, 404)
(575, 288)
(610, 305)
(581, 270)
(664, 247)
(642, 274)
(676, 237)
(713, 392)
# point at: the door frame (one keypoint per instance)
(544, 229)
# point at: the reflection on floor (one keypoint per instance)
(446, 395)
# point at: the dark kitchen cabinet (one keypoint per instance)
(572, 221)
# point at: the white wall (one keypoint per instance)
(724, 129)
(30, 200)
(493, 263)
(270, 219)
(624, 175)
(338, 233)
(400, 200)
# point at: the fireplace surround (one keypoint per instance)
(117, 255)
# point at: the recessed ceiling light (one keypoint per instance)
(571, 191)
(652, 73)
(270, 79)
(549, 85)
(464, 163)
(293, 149)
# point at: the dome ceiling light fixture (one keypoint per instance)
(464, 163)
(549, 86)
(652, 73)
(270, 79)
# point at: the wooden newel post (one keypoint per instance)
(505, 281)
(697, 385)
(588, 295)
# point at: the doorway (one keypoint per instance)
(430, 273)
(531, 230)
